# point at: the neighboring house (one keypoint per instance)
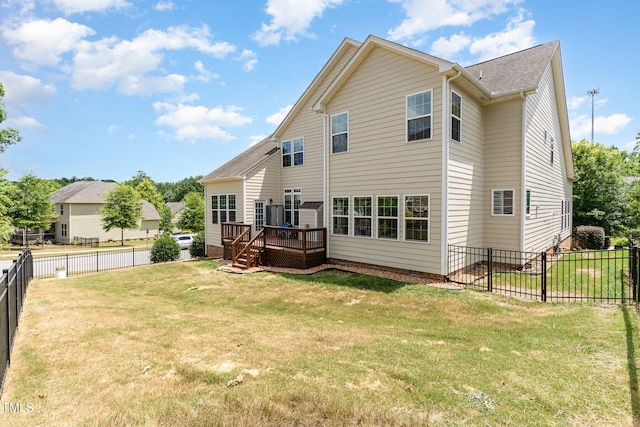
(399, 154)
(78, 208)
(176, 208)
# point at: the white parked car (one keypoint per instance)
(184, 240)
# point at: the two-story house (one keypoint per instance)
(399, 154)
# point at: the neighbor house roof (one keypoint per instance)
(175, 207)
(94, 192)
(519, 71)
(244, 162)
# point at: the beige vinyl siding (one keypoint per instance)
(85, 220)
(503, 170)
(466, 187)
(213, 235)
(62, 219)
(263, 184)
(547, 182)
(380, 162)
(309, 125)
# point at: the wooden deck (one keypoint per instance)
(275, 246)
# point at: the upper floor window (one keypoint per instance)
(293, 152)
(416, 218)
(341, 215)
(419, 116)
(502, 202)
(340, 133)
(61, 209)
(456, 116)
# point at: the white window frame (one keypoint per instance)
(356, 216)
(341, 132)
(493, 200)
(426, 219)
(385, 217)
(455, 117)
(421, 116)
(294, 152)
(293, 211)
(343, 215)
(225, 210)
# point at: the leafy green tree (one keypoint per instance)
(31, 207)
(165, 249)
(122, 209)
(192, 216)
(150, 193)
(138, 178)
(8, 136)
(175, 191)
(7, 190)
(600, 196)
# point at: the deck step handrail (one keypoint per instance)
(248, 250)
(245, 236)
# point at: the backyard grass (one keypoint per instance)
(184, 344)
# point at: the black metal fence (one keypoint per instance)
(93, 262)
(603, 276)
(92, 242)
(15, 281)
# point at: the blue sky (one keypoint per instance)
(105, 88)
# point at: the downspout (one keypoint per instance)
(523, 189)
(244, 198)
(325, 170)
(444, 238)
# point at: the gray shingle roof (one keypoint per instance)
(515, 72)
(175, 207)
(94, 192)
(245, 161)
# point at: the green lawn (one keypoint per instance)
(163, 344)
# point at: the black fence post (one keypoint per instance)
(7, 308)
(634, 271)
(133, 257)
(490, 270)
(97, 261)
(543, 257)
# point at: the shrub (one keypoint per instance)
(165, 249)
(197, 246)
(589, 237)
(623, 241)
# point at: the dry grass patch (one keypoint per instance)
(184, 344)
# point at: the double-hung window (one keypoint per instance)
(502, 202)
(223, 208)
(293, 153)
(362, 216)
(456, 117)
(388, 217)
(419, 116)
(340, 133)
(340, 215)
(292, 202)
(416, 218)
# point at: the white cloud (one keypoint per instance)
(163, 6)
(204, 75)
(27, 122)
(277, 118)
(113, 128)
(43, 42)
(290, 19)
(198, 122)
(22, 91)
(426, 15)
(604, 125)
(79, 6)
(99, 65)
(576, 102)
(250, 59)
(517, 36)
(447, 48)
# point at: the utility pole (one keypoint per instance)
(592, 93)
